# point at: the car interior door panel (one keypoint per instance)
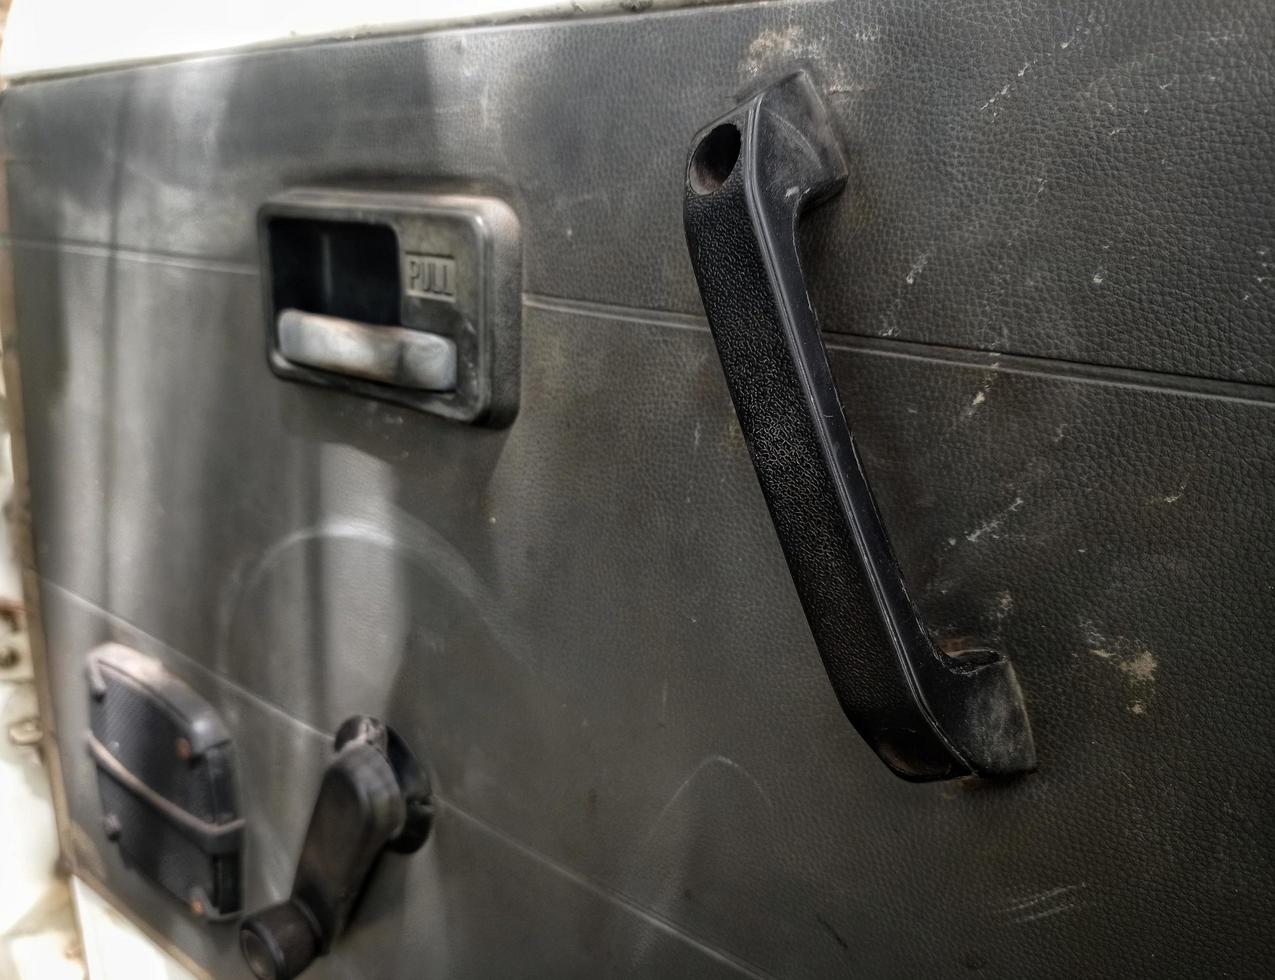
(580, 449)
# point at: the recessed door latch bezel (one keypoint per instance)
(451, 279)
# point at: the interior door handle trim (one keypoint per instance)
(374, 797)
(391, 355)
(749, 178)
(214, 838)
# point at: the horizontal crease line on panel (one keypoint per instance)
(607, 311)
(577, 878)
(145, 256)
(1244, 392)
(1247, 392)
(200, 668)
(605, 892)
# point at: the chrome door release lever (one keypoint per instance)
(392, 355)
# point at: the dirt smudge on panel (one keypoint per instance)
(1168, 499)
(771, 45)
(1141, 669)
(1132, 658)
(990, 527)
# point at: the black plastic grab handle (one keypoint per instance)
(927, 715)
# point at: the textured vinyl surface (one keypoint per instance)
(584, 622)
(473, 904)
(1088, 182)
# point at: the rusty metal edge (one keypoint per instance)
(24, 545)
(182, 958)
(23, 535)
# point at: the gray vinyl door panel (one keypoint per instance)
(1056, 352)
